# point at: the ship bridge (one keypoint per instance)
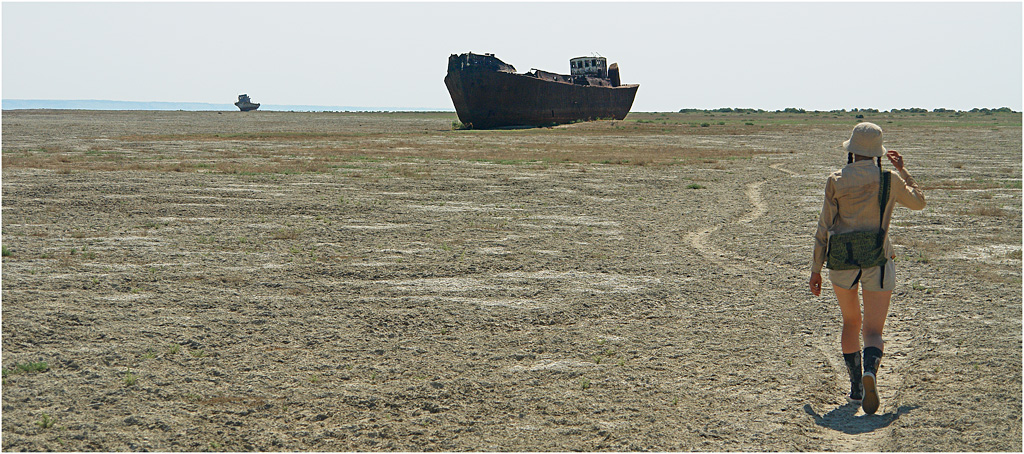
(589, 66)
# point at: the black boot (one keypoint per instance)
(872, 360)
(856, 387)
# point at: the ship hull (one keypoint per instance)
(245, 107)
(485, 97)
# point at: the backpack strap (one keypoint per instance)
(883, 197)
(883, 193)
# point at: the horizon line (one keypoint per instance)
(98, 104)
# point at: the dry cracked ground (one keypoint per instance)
(284, 281)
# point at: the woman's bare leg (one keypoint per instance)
(876, 309)
(849, 305)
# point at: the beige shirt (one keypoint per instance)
(851, 204)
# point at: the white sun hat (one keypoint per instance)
(866, 140)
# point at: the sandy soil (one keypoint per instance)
(348, 282)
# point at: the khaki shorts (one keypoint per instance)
(870, 278)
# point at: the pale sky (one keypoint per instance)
(815, 56)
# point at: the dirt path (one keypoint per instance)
(851, 429)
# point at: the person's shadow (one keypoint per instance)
(842, 419)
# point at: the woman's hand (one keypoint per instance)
(895, 159)
(815, 284)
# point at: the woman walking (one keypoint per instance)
(852, 241)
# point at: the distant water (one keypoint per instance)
(95, 104)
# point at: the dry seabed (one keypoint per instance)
(401, 300)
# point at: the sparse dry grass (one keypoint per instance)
(996, 276)
(232, 279)
(286, 234)
(967, 185)
(319, 143)
(221, 400)
(921, 250)
(988, 210)
(290, 152)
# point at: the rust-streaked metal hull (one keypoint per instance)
(488, 93)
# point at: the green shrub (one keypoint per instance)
(27, 368)
(45, 422)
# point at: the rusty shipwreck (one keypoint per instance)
(488, 93)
